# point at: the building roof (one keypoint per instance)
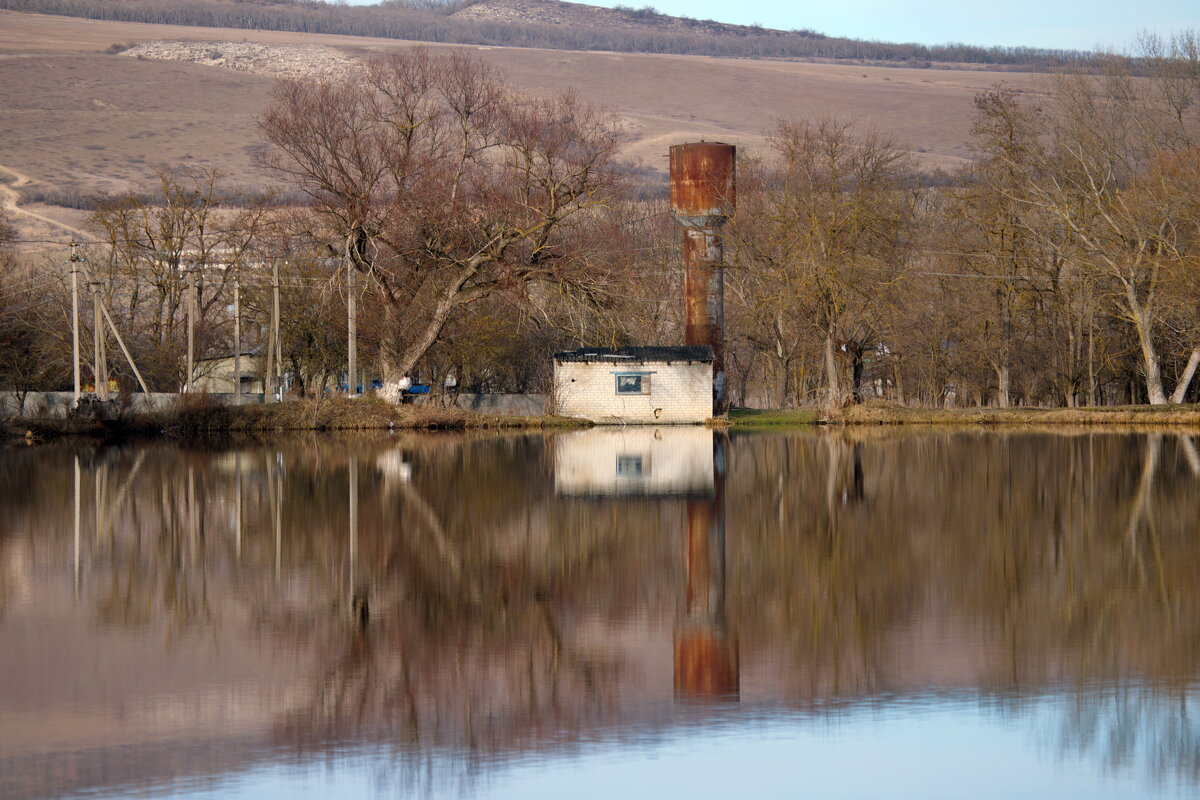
(253, 351)
(638, 355)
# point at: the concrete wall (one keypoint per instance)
(634, 461)
(516, 405)
(58, 404)
(679, 392)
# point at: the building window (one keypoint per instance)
(633, 383)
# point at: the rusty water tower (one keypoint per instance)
(703, 197)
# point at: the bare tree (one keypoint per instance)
(1105, 178)
(830, 231)
(441, 184)
(158, 247)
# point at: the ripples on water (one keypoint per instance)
(650, 612)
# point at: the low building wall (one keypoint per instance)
(679, 392)
(42, 405)
(515, 405)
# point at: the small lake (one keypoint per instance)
(638, 612)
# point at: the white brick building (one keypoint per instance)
(635, 385)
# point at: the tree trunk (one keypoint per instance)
(834, 392)
(1185, 380)
(397, 369)
(856, 373)
(1143, 322)
(1091, 363)
(1003, 384)
(1004, 368)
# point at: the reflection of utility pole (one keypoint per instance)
(353, 518)
(706, 657)
(193, 526)
(100, 481)
(77, 480)
(75, 319)
(277, 482)
(237, 509)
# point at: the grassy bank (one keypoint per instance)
(892, 414)
(199, 416)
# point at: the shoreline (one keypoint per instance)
(199, 419)
(880, 414)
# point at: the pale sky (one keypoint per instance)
(1070, 24)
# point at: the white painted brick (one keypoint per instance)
(680, 392)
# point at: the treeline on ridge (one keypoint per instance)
(431, 22)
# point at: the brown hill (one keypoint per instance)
(554, 12)
(78, 120)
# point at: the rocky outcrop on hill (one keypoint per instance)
(276, 60)
(553, 12)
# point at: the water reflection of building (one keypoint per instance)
(664, 463)
(635, 461)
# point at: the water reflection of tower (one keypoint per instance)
(706, 653)
(670, 463)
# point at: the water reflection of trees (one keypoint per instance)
(469, 606)
(1024, 562)
(1076, 554)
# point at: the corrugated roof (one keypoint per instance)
(638, 355)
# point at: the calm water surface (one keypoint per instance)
(635, 612)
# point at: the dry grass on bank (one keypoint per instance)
(200, 416)
(880, 413)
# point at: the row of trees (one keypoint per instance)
(1060, 267)
(640, 32)
(481, 229)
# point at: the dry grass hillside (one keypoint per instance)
(79, 120)
(553, 12)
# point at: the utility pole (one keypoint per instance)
(353, 524)
(74, 260)
(76, 542)
(270, 373)
(191, 331)
(352, 331)
(99, 369)
(128, 356)
(237, 344)
(278, 321)
(273, 352)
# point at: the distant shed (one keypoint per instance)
(635, 385)
(218, 376)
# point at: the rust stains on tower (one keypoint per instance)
(703, 197)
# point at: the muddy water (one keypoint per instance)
(649, 612)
